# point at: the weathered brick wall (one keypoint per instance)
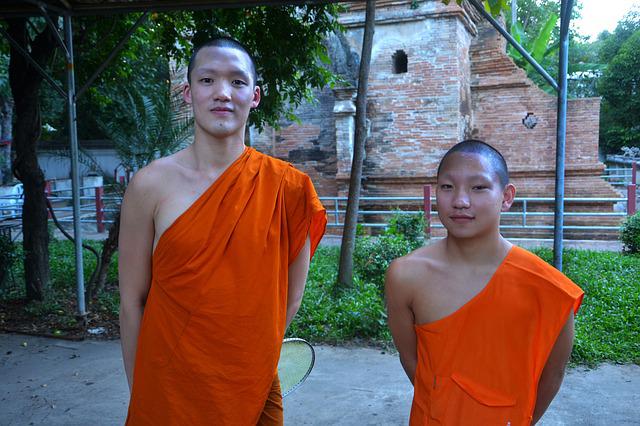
(310, 146)
(502, 96)
(459, 83)
(413, 115)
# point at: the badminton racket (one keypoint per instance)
(296, 362)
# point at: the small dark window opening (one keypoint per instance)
(399, 62)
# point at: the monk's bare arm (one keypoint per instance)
(401, 319)
(298, 271)
(134, 264)
(554, 369)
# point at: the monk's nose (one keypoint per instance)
(461, 200)
(222, 91)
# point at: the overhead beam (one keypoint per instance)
(25, 8)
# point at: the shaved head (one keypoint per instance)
(486, 151)
(227, 42)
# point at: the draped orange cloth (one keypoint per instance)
(215, 315)
(481, 365)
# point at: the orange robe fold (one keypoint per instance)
(481, 365)
(215, 315)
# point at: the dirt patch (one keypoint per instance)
(39, 319)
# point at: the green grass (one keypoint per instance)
(607, 325)
(62, 290)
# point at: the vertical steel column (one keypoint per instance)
(75, 179)
(561, 134)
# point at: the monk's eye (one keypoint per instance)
(206, 80)
(239, 83)
(479, 187)
(446, 187)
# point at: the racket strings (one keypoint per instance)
(296, 361)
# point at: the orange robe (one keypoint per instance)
(215, 315)
(481, 365)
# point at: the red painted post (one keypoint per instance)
(631, 200)
(427, 210)
(99, 209)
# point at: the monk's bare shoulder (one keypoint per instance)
(410, 274)
(151, 183)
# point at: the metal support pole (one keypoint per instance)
(561, 133)
(75, 178)
(634, 171)
(427, 211)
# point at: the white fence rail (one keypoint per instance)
(336, 209)
(98, 209)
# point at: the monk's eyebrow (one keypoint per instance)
(236, 72)
(478, 176)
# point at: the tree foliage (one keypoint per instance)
(620, 90)
(538, 30)
(286, 42)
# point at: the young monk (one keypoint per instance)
(484, 328)
(215, 244)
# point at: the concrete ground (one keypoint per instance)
(56, 382)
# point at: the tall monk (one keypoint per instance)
(484, 328)
(215, 244)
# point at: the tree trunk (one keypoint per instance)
(345, 271)
(6, 121)
(25, 84)
(109, 247)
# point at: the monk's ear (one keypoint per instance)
(508, 195)
(186, 93)
(257, 95)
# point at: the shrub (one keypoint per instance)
(329, 316)
(409, 226)
(8, 255)
(373, 255)
(630, 233)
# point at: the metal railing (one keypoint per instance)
(621, 176)
(336, 209)
(97, 207)
(95, 212)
